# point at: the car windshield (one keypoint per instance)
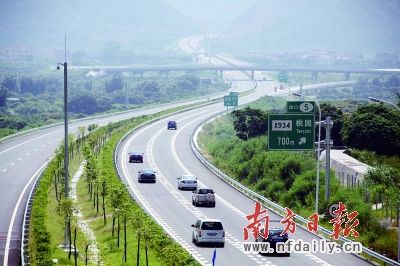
(211, 226)
(187, 177)
(136, 153)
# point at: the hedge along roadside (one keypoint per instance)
(40, 241)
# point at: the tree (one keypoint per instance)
(83, 103)
(10, 83)
(374, 128)
(384, 181)
(3, 97)
(249, 123)
(116, 83)
(337, 116)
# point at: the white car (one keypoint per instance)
(203, 196)
(187, 182)
(208, 231)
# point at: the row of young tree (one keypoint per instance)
(372, 127)
(108, 194)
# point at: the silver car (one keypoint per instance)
(187, 182)
(208, 231)
(203, 196)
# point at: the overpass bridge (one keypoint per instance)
(140, 69)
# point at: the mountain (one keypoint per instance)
(304, 25)
(212, 16)
(89, 24)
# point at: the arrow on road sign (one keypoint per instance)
(302, 140)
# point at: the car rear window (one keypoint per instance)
(211, 226)
(205, 191)
(275, 232)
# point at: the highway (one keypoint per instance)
(21, 161)
(169, 153)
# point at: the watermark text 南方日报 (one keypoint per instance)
(343, 223)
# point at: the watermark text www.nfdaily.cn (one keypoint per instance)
(300, 246)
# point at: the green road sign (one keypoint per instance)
(300, 107)
(231, 99)
(291, 132)
(283, 76)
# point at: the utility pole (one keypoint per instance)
(328, 124)
(66, 160)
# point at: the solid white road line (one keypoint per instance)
(10, 227)
(139, 196)
(29, 140)
(229, 205)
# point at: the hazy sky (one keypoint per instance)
(212, 14)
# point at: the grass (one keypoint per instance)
(164, 248)
(111, 253)
(55, 225)
(219, 136)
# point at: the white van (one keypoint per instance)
(208, 231)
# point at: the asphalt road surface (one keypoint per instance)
(169, 153)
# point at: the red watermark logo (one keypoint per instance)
(343, 224)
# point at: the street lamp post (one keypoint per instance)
(318, 152)
(66, 177)
(383, 101)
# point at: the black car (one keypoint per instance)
(147, 175)
(274, 236)
(136, 157)
(172, 125)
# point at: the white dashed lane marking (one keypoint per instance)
(12, 164)
(4, 170)
(20, 158)
(27, 154)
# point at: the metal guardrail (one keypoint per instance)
(37, 129)
(27, 219)
(272, 205)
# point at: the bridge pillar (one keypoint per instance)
(252, 75)
(347, 76)
(314, 77)
(221, 74)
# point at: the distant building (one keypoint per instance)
(13, 99)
